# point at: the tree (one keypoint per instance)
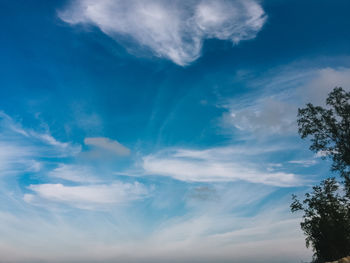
(329, 129)
(326, 219)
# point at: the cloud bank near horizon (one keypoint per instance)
(174, 30)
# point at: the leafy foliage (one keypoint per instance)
(326, 219)
(330, 130)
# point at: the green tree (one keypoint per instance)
(326, 218)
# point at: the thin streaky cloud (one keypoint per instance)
(87, 196)
(21, 149)
(304, 163)
(275, 112)
(208, 168)
(74, 173)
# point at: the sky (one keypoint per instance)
(161, 131)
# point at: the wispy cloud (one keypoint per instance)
(171, 29)
(214, 165)
(304, 163)
(88, 196)
(324, 81)
(273, 111)
(74, 173)
(79, 202)
(213, 231)
(267, 116)
(22, 149)
(221, 234)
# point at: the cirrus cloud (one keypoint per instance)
(174, 30)
(22, 149)
(275, 112)
(87, 196)
(215, 165)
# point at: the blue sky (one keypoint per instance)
(161, 131)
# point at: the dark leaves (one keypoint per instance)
(326, 210)
(326, 220)
(329, 129)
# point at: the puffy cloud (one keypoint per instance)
(214, 165)
(104, 145)
(171, 29)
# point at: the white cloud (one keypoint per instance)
(229, 229)
(304, 163)
(227, 153)
(14, 159)
(171, 29)
(88, 196)
(106, 145)
(212, 235)
(21, 149)
(213, 165)
(322, 154)
(269, 116)
(74, 173)
(325, 80)
(284, 91)
(221, 237)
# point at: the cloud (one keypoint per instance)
(74, 173)
(213, 165)
(24, 150)
(228, 229)
(304, 163)
(174, 30)
(88, 196)
(269, 116)
(324, 82)
(274, 110)
(102, 146)
(226, 153)
(220, 237)
(209, 235)
(21, 149)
